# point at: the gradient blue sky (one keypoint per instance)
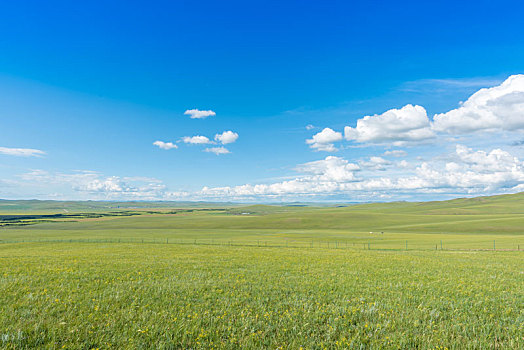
(92, 85)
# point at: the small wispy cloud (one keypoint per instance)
(22, 152)
(396, 153)
(217, 150)
(196, 140)
(198, 114)
(165, 145)
(428, 85)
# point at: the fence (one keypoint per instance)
(393, 245)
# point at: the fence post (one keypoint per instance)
(494, 245)
(440, 244)
(406, 245)
(369, 247)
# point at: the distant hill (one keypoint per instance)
(76, 206)
(498, 204)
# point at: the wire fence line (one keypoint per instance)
(318, 244)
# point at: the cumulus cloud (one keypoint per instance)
(329, 169)
(469, 172)
(399, 126)
(317, 178)
(93, 185)
(198, 114)
(497, 108)
(481, 161)
(375, 163)
(217, 150)
(165, 145)
(107, 185)
(475, 171)
(22, 152)
(196, 140)
(310, 127)
(226, 137)
(323, 141)
(403, 164)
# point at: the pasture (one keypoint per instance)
(229, 276)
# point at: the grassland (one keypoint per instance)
(234, 276)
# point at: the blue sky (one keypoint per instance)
(86, 89)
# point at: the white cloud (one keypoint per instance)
(480, 161)
(196, 140)
(310, 127)
(198, 114)
(396, 153)
(403, 164)
(497, 108)
(375, 163)
(329, 169)
(226, 137)
(109, 184)
(323, 141)
(470, 172)
(399, 126)
(22, 152)
(475, 171)
(165, 145)
(93, 185)
(217, 150)
(319, 178)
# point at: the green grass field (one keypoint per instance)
(227, 276)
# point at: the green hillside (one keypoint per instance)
(468, 221)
